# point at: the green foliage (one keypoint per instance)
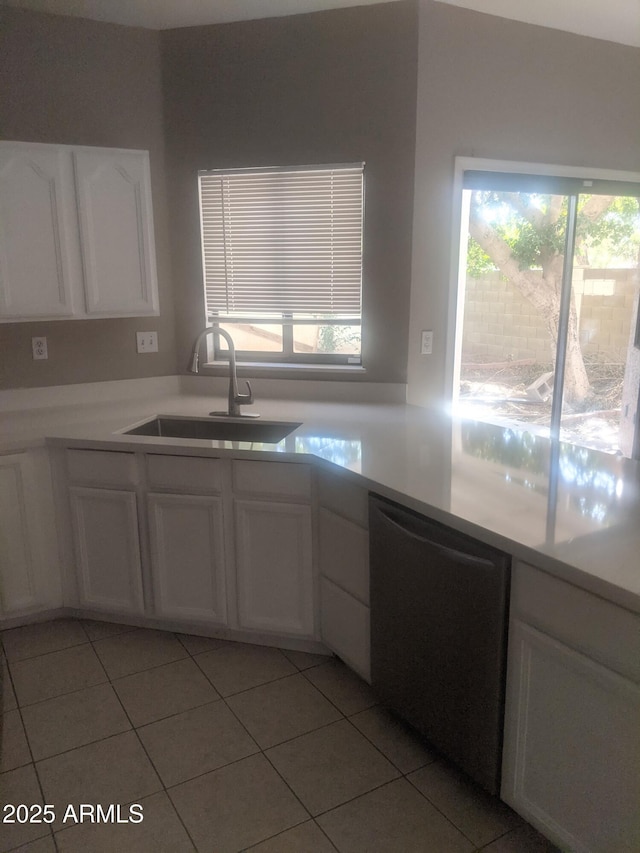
(534, 227)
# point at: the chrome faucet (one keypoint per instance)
(235, 399)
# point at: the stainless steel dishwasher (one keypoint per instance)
(439, 602)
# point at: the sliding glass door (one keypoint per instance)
(548, 306)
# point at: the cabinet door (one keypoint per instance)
(116, 231)
(187, 557)
(572, 751)
(345, 625)
(274, 567)
(105, 531)
(29, 566)
(34, 233)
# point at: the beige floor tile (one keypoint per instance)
(236, 806)
(525, 839)
(305, 660)
(196, 742)
(73, 720)
(240, 666)
(305, 838)
(397, 741)
(392, 818)
(138, 650)
(342, 687)
(99, 630)
(160, 831)
(20, 786)
(330, 766)
(115, 770)
(42, 845)
(15, 749)
(282, 710)
(57, 673)
(481, 817)
(42, 637)
(9, 701)
(164, 690)
(196, 645)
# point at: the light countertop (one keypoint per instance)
(572, 511)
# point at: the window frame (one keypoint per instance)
(286, 320)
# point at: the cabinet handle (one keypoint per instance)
(451, 553)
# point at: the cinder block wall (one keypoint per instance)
(501, 325)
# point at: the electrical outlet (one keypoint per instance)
(39, 348)
(426, 343)
(147, 341)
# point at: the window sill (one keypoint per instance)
(274, 369)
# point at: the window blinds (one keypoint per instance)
(283, 241)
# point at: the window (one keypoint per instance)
(547, 303)
(282, 261)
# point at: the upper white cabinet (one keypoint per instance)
(116, 231)
(76, 233)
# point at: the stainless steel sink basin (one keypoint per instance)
(231, 429)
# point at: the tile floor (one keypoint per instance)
(227, 747)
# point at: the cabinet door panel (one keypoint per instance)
(344, 554)
(274, 567)
(187, 554)
(18, 589)
(346, 627)
(105, 529)
(572, 750)
(116, 232)
(34, 259)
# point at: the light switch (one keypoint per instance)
(147, 341)
(426, 343)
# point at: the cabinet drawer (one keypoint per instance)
(344, 554)
(336, 493)
(272, 478)
(191, 474)
(603, 631)
(102, 468)
(345, 627)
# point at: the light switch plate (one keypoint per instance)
(426, 343)
(147, 341)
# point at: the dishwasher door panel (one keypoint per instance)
(438, 635)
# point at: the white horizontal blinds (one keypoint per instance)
(283, 241)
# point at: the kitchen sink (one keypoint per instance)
(230, 429)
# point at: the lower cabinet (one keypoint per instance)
(29, 564)
(186, 535)
(344, 571)
(274, 567)
(107, 547)
(572, 746)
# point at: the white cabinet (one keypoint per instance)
(187, 538)
(36, 232)
(29, 564)
(76, 233)
(105, 530)
(274, 548)
(116, 231)
(104, 522)
(572, 750)
(344, 568)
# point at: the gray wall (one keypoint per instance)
(328, 87)
(488, 87)
(76, 82)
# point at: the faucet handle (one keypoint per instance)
(245, 399)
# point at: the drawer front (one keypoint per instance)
(102, 468)
(191, 474)
(344, 554)
(336, 493)
(601, 630)
(345, 627)
(285, 479)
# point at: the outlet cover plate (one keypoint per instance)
(426, 343)
(39, 348)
